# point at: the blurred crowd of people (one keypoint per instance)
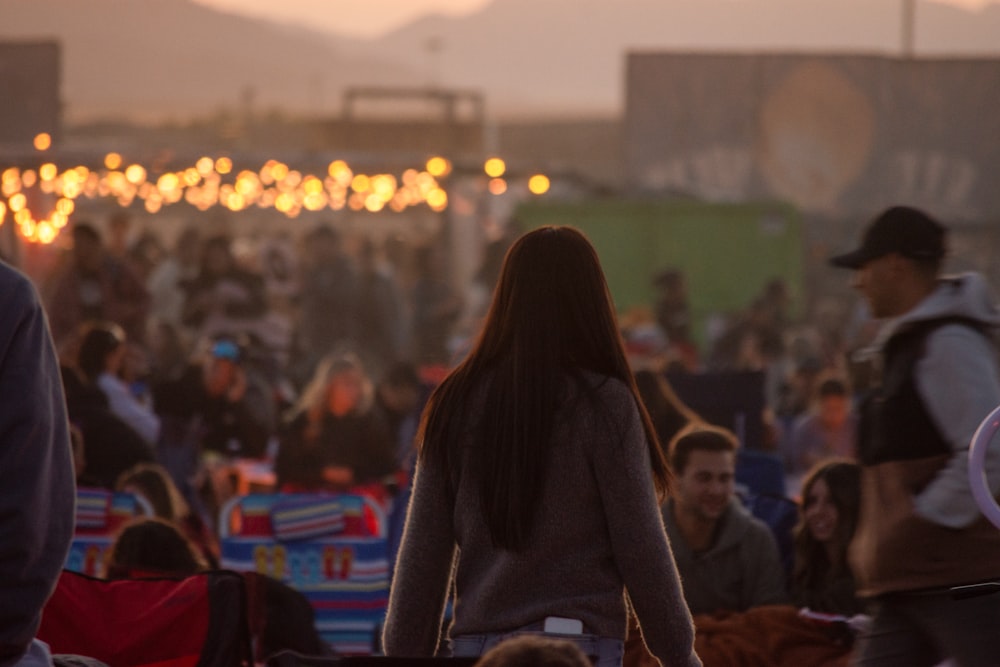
(316, 358)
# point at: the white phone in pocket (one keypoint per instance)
(563, 626)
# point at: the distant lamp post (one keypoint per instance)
(908, 26)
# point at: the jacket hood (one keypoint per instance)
(964, 295)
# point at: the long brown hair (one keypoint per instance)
(551, 318)
(812, 564)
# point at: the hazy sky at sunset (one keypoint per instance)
(374, 17)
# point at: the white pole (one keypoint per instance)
(908, 27)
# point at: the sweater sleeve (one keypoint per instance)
(37, 492)
(957, 380)
(639, 542)
(765, 583)
(424, 566)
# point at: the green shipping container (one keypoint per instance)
(727, 252)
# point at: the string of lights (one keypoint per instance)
(213, 182)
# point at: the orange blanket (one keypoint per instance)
(772, 636)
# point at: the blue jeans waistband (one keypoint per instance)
(602, 651)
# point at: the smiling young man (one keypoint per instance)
(919, 531)
(728, 560)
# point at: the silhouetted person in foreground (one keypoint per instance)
(37, 487)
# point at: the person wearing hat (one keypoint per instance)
(920, 532)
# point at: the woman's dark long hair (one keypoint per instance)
(812, 564)
(551, 318)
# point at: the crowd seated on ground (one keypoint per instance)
(819, 624)
(173, 397)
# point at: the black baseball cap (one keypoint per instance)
(908, 231)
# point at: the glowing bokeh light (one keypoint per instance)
(361, 183)
(167, 182)
(279, 171)
(539, 184)
(312, 186)
(438, 166)
(340, 172)
(18, 202)
(384, 186)
(495, 167)
(205, 184)
(284, 202)
(45, 232)
(65, 207)
(43, 141)
(135, 174)
(497, 186)
(437, 199)
(205, 165)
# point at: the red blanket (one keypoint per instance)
(772, 636)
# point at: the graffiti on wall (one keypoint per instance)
(837, 136)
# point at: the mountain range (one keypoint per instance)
(174, 59)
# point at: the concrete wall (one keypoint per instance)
(838, 136)
(29, 93)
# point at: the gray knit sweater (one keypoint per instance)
(598, 533)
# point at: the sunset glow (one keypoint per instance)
(377, 17)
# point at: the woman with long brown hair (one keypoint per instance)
(821, 576)
(538, 481)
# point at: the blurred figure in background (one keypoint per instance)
(152, 547)
(231, 403)
(380, 311)
(101, 359)
(167, 282)
(673, 314)
(328, 297)
(436, 309)
(399, 395)
(153, 482)
(828, 430)
(110, 444)
(218, 409)
(96, 286)
(334, 440)
(224, 299)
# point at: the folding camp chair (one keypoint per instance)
(195, 621)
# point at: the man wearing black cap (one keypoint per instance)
(920, 531)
